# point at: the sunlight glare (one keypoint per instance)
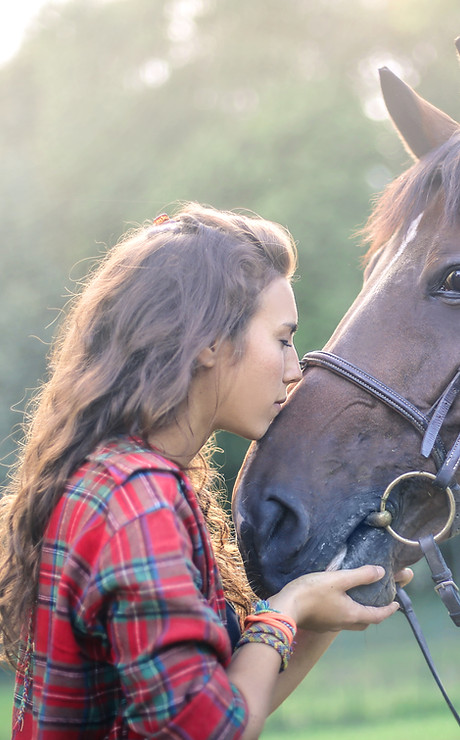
(15, 19)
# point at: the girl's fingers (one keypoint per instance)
(320, 601)
(376, 614)
(360, 576)
(404, 576)
(371, 573)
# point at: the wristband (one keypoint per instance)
(268, 626)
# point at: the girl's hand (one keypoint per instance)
(319, 602)
(404, 576)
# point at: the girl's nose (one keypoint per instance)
(293, 372)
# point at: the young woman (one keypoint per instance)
(117, 560)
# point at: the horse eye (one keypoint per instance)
(452, 282)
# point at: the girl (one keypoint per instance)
(116, 557)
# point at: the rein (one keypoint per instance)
(446, 462)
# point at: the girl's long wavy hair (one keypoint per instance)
(122, 363)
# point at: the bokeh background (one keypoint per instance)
(112, 111)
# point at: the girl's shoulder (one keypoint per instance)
(123, 479)
(124, 456)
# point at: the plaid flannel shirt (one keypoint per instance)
(130, 637)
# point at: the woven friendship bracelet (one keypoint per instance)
(269, 627)
(266, 634)
(286, 628)
(263, 612)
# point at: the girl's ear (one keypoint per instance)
(207, 357)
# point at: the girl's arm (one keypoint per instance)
(255, 672)
(320, 606)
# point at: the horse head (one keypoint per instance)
(303, 498)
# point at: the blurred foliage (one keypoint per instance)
(114, 110)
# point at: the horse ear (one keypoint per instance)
(421, 126)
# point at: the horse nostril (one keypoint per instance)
(273, 530)
(284, 528)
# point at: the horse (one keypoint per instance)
(341, 479)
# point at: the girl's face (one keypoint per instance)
(252, 389)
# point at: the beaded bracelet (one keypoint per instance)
(269, 627)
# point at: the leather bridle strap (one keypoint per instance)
(408, 611)
(442, 577)
(438, 414)
(379, 390)
(428, 425)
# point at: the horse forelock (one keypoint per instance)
(436, 175)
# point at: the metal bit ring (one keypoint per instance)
(431, 477)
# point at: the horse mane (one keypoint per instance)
(438, 172)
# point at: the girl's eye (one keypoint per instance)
(286, 343)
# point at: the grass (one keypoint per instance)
(411, 728)
(371, 685)
(6, 690)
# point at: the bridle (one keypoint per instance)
(446, 461)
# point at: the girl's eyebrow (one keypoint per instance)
(291, 326)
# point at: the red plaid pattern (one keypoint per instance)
(130, 640)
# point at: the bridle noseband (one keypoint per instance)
(446, 462)
(428, 425)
